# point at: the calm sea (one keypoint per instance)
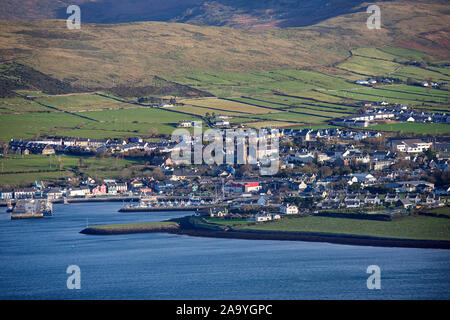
(34, 256)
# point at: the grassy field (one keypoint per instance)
(369, 67)
(18, 170)
(226, 105)
(21, 119)
(419, 128)
(135, 226)
(19, 105)
(302, 76)
(83, 102)
(10, 181)
(407, 227)
(442, 210)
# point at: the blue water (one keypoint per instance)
(34, 256)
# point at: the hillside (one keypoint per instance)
(101, 55)
(249, 14)
(246, 14)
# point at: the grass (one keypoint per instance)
(407, 227)
(419, 128)
(92, 124)
(392, 96)
(201, 111)
(264, 124)
(226, 105)
(142, 115)
(307, 63)
(83, 102)
(8, 181)
(367, 66)
(24, 170)
(374, 53)
(232, 222)
(135, 226)
(18, 163)
(297, 117)
(442, 210)
(19, 105)
(420, 73)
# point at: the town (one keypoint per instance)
(337, 169)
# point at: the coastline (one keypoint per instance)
(123, 229)
(342, 239)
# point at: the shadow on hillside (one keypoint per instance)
(238, 13)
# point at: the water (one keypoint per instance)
(34, 256)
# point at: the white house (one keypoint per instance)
(410, 145)
(261, 217)
(185, 124)
(79, 192)
(288, 209)
(222, 123)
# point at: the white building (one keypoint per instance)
(222, 123)
(79, 192)
(185, 124)
(261, 217)
(288, 209)
(410, 145)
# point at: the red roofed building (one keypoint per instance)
(246, 187)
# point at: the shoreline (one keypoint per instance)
(279, 235)
(129, 230)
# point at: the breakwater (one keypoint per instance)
(185, 228)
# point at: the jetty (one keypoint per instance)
(31, 209)
(165, 204)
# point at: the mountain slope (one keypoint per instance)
(251, 14)
(101, 55)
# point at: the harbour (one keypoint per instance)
(36, 253)
(31, 209)
(167, 204)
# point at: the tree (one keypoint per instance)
(354, 187)
(325, 171)
(410, 81)
(158, 174)
(430, 153)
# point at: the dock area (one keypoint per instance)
(167, 204)
(31, 209)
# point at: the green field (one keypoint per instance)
(123, 120)
(369, 67)
(406, 227)
(442, 210)
(135, 226)
(83, 102)
(19, 105)
(278, 97)
(10, 181)
(419, 128)
(17, 170)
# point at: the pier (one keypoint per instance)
(31, 209)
